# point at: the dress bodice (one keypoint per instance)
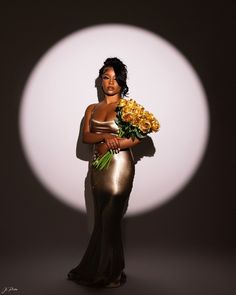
(103, 126)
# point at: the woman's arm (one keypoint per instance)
(123, 143)
(128, 142)
(88, 136)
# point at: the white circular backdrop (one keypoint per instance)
(62, 85)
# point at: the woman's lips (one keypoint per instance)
(110, 88)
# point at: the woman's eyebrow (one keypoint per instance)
(109, 75)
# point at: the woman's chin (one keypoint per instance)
(110, 93)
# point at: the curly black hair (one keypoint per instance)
(120, 70)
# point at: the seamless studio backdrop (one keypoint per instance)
(185, 246)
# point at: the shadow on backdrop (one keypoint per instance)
(84, 152)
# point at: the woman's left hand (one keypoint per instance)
(113, 143)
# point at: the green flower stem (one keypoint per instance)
(121, 132)
(103, 162)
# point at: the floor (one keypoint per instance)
(149, 270)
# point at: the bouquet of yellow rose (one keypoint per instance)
(133, 122)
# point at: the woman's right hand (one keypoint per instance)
(101, 149)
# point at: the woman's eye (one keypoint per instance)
(105, 77)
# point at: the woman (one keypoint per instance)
(103, 262)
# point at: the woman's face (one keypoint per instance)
(109, 83)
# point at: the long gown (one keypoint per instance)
(103, 261)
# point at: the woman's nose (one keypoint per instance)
(111, 81)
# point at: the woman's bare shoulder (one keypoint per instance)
(91, 107)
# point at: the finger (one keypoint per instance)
(111, 144)
(117, 150)
(108, 145)
(115, 146)
(115, 142)
(109, 141)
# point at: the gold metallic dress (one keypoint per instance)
(103, 261)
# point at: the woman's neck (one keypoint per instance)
(112, 99)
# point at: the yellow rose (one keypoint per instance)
(144, 125)
(127, 109)
(122, 102)
(132, 103)
(127, 117)
(149, 116)
(133, 110)
(135, 121)
(155, 125)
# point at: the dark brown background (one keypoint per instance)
(41, 238)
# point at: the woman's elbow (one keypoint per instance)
(85, 138)
(137, 141)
